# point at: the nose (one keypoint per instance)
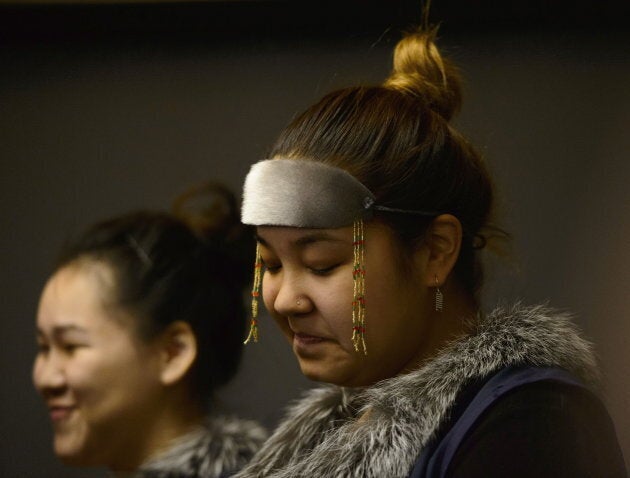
(48, 374)
(289, 296)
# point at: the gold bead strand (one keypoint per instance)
(358, 276)
(253, 327)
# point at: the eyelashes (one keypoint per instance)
(324, 271)
(272, 269)
(67, 348)
(319, 271)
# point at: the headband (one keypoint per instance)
(302, 193)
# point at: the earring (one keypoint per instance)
(358, 276)
(439, 297)
(253, 326)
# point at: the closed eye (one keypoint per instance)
(323, 270)
(271, 268)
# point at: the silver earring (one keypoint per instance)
(439, 297)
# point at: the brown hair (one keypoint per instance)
(397, 139)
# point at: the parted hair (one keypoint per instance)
(397, 138)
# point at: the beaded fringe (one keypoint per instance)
(253, 327)
(358, 302)
(358, 276)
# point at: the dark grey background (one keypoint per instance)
(104, 109)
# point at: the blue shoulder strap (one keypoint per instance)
(435, 461)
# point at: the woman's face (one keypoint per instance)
(308, 290)
(98, 380)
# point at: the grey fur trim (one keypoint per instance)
(222, 446)
(302, 193)
(321, 435)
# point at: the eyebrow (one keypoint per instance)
(306, 239)
(60, 330)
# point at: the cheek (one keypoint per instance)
(393, 303)
(333, 298)
(269, 291)
(395, 324)
(112, 388)
(337, 303)
(96, 372)
(87, 375)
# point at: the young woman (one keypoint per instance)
(370, 215)
(141, 320)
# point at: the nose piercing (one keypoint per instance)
(298, 302)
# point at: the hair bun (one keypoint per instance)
(420, 70)
(212, 213)
(210, 210)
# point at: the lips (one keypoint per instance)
(306, 339)
(60, 413)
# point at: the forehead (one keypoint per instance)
(279, 236)
(75, 295)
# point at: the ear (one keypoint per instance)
(178, 352)
(443, 241)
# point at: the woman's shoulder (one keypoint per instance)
(547, 428)
(233, 439)
(220, 448)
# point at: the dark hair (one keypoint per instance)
(191, 264)
(397, 139)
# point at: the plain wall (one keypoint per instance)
(93, 129)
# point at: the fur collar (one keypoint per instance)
(218, 448)
(321, 436)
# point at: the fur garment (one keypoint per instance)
(322, 436)
(219, 448)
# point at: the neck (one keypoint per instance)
(172, 419)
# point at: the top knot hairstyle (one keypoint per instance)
(397, 139)
(191, 264)
(420, 70)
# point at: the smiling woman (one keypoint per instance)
(141, 321)
(95, 376)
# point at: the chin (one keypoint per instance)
(318, 374)
(72, 455)
(73, 459)
(313, 373)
